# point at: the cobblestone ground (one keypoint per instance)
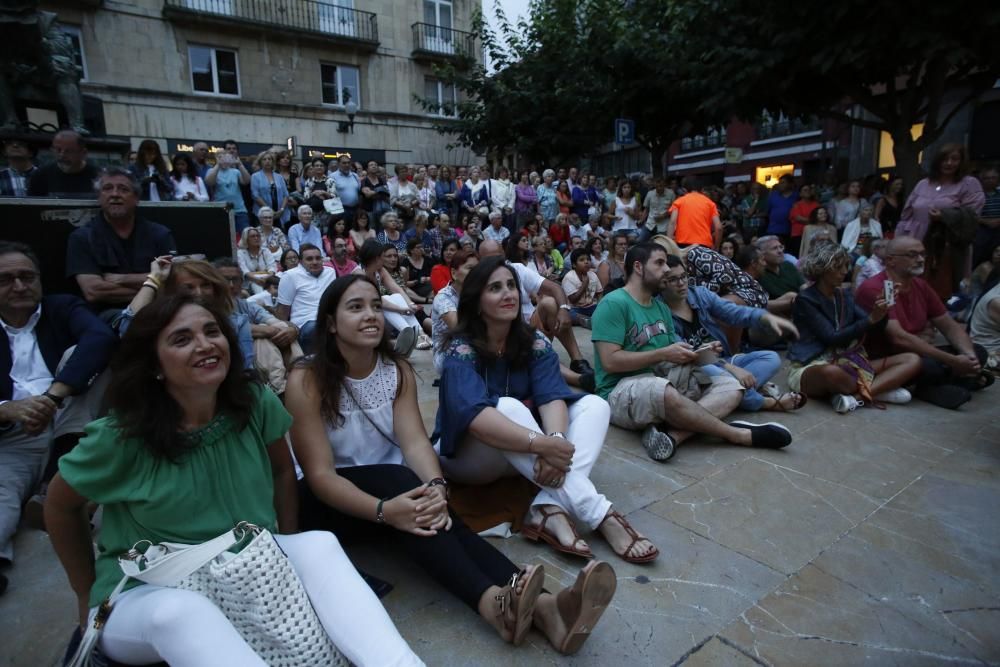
(874, 539)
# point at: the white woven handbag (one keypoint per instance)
(257, 589)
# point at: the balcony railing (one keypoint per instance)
(304, 17)
(699, 141)
(433, 42)
(782, 128)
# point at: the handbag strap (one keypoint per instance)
(172, 566)
(354, 400)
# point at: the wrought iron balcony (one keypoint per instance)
(769, 129)
(304, 18)
(432, 42)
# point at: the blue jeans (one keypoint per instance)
(241, 222)
(583, 311)
(306, 333)
(762, 364)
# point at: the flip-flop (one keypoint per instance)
(582, 605)
(535, 533)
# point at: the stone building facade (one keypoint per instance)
(264, 71)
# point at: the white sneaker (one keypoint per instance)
(898, 396)
(842, 404)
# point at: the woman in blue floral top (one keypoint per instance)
(504, 410)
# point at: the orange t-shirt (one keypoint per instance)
(694, 219)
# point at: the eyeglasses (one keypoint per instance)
(913, 254)
(26, 278)
(677, 280)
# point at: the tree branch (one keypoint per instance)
(851, 120)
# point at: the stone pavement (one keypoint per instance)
(874, 539)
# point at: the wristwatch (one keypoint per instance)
(58, 400)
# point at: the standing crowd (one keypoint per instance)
(183, 395)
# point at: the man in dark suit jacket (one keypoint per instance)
(52, 349)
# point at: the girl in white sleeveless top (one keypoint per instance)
(355, 422)
(626, 210)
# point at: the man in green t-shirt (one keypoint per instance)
(779, 277)
(632, 333)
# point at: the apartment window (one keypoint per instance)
(442, 95)
(214, 71)
(73, 32)
(340, 84)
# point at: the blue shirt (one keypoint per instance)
(227, 189)
(469, 385)
(779, 207)
(297, 235)
(347, 186)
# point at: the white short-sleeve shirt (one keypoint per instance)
(302, 291)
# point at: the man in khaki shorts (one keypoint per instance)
(633, 334)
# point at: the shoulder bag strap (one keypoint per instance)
(170, 566)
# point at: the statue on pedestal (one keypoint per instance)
(37, 63)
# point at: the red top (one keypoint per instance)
(804, 208)
(914, 308)
(559, 234)
(440, 277)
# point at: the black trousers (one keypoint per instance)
(458, 559)
(938, 384)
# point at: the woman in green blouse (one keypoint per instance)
(191, 447)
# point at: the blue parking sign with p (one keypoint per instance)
(624, 131)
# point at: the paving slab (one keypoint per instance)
(716, 652)
(817, 619)
(772, 513)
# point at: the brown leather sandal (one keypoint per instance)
(535, 533)
(636, 538)
(582, 605)
(800, 401)
(521, 605)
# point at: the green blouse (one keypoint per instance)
(225, 479)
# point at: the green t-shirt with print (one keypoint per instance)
(622, 320)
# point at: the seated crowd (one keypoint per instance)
(181, 393)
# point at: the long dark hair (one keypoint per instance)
(327, 363)
(158, 161)
(140, 404)
(192, 168)
(520, 337)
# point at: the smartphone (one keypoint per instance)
(889, 291)
(706, 355)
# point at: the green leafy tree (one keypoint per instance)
(904, 63)
(560, 78)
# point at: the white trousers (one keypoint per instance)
(185, 629)
(398, 321)
(476, 462)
